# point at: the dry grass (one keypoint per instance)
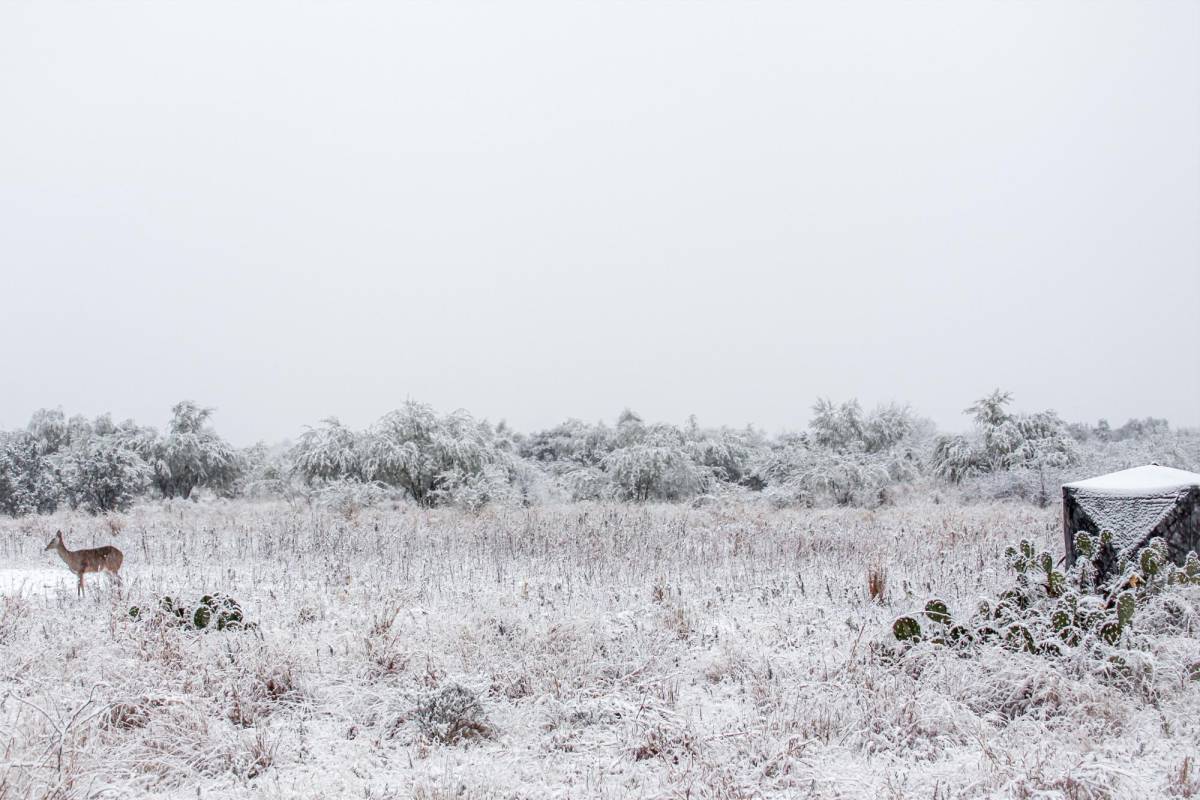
(613, 651)
(876, 583)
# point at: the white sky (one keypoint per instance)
(536, 211)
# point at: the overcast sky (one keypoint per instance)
(537, 211)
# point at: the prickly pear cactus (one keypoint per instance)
(937, 611)
(1049, 611)
(213, 612)
(1085, 545)
(906, 629)
(201, 617)
(1126, 604)
(1149, 562)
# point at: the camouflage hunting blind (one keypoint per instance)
(1135, 505)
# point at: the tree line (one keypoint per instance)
(846, 456)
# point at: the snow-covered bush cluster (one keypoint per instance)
(1006, 442)
(101, 466)
(846, 457)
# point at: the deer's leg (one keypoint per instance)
(79, 590)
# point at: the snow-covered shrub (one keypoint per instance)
(956, 458)
(472, 491)
(267, 472)
(104, 474)
(422, 453)
(348, 496)
(1178, 448)
(1019, 483)
(587, 483)
(451, 716)
(820, 477)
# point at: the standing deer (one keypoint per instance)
(96, 559)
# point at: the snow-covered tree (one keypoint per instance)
(104, 473)
(569, 446)
(798, 473)
(654, 462)
(1005, 441)
(846, 428)
(726, 454)
(267, 471)
(29, 479)
(192, 455)
(425, 454)
(331, 451)
(1141, 429)
(50, 429)
(956, 458)
(451, 459)
(847, 457)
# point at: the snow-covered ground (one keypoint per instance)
(617, 651)
(32, 580)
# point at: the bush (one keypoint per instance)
(453, 715)
(348, 496)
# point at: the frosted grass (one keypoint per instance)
(618, 651)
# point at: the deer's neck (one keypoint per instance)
(64, 553)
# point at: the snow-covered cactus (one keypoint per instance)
(1048, 609)
(1085, 545)
(906, 629)
(1126, 604)
(219, 612)
(1189, 573)
(937, 611)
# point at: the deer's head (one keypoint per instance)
(56, 541)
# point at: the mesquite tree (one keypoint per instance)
(192, 454)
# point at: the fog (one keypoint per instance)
(536, 211)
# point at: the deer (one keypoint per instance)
(96, 559)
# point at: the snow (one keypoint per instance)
(34, 580)
(1150, 479)
(1128, 519)
(618, 651)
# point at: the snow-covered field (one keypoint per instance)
(617, 651)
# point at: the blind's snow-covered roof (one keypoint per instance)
(1138, 482)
